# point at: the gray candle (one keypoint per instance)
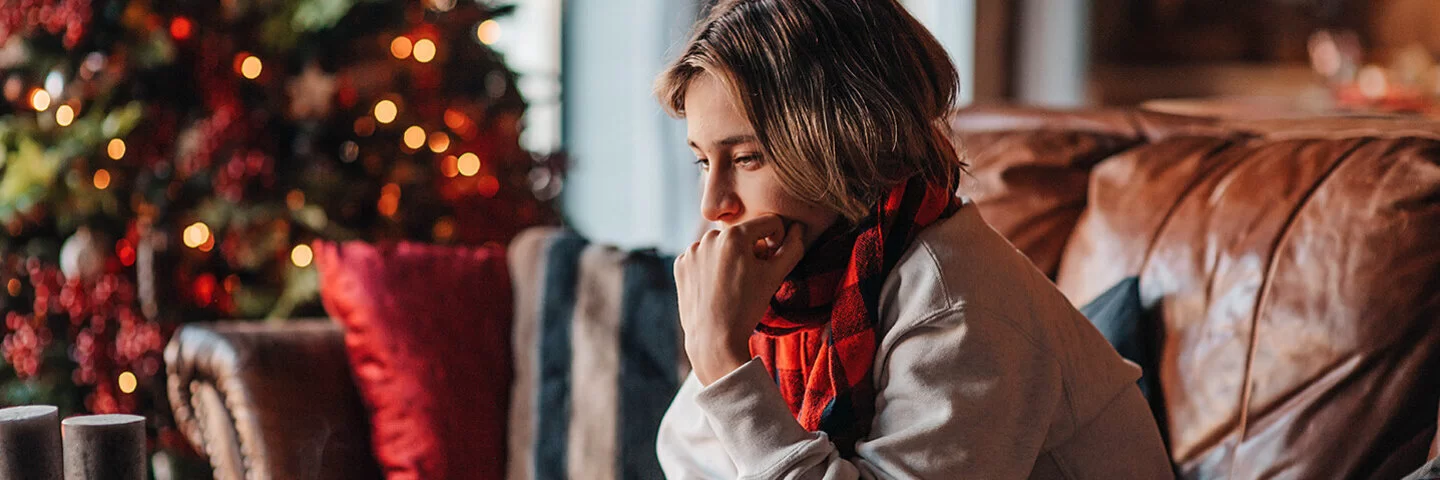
(30, 442)
(104, 447)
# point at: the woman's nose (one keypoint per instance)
(719, 203)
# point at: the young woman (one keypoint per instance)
(853, 318)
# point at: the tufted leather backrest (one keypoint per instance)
(1295, 264)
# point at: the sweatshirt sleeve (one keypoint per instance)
(957, 397)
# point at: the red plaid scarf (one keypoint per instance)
(818, 338)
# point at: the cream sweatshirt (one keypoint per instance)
(984, 370)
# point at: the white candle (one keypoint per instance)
(30, 442)
(104, 447)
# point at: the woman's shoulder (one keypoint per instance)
(962, 266)
(962, 274)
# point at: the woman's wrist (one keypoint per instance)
(714, 356)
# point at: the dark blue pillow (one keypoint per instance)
(1131, 329)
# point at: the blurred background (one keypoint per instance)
(164, 162)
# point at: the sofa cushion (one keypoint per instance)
(1298, 278)
(427, 333)
(598, 357)
(1030, 169)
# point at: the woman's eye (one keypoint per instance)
(703, 163)
(748, 161)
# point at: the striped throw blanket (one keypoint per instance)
(598, 358)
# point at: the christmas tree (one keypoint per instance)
(164, 162)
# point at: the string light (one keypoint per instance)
(196, 234)
(488, 186)
(1372, 82)
(64, 115)
(455, 119)
(102, 179)
(301, 255)
(116, 149)
(364, 126)
(444, 229)
(439, 142)
(128, 382)
(385, 111)
(488, 32)
(250, 66)
(13, 286)
(468, 164)
(401, 47)
(180, 28)
(125, 252)
(389, 200)
(441, 5)
(55, 84)
(13, 88)
(39, 100)
(295, 199)
(448, 166)
(414, 137)
(424, 50)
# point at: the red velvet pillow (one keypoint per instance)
(427, 329)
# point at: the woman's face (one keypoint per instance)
(740, 182)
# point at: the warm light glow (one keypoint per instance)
(444, 229)
(295, 199)
(128, 382)
(385, 111)
(488, 186)
(414, 137)
(301, 255)
(180, 28)
(488, 32)
(389, 199)
(13, 85)
(454, 119)
(196, 234)
(115, 149)
(13, 286)
(39, 100)
(364, 126)
(1372, 82)
(424, 50)
(448, 166)
(251, 67)
(468, 164)
(125, 252)
(401, 46)
(102, 179)
(439, 142)
(64, 115)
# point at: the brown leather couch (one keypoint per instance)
(1295, 265)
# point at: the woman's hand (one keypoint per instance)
(725, 282)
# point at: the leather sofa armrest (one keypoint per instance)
(270, 400)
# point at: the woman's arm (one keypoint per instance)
(957, 397)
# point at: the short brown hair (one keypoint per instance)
(848, 97)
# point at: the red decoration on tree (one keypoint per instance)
(67, 18)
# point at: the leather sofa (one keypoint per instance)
(1294, 265)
